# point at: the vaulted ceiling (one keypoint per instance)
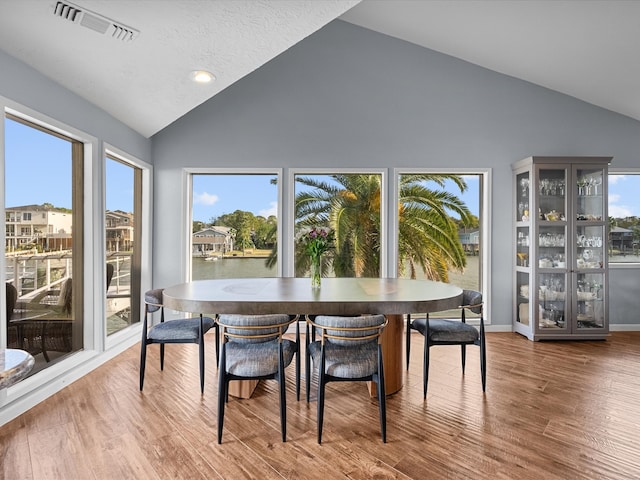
(133, 58)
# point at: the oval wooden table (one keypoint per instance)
(392, 297)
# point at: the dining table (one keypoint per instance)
(393, 297)
(15, 364)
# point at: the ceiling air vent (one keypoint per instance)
(94, 21)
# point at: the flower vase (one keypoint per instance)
(316, 271)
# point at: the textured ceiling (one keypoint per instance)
(587, 49)
(584, 48)
(145, 83)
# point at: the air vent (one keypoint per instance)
(93, 21)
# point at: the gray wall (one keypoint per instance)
(347, 96)
(22, 84)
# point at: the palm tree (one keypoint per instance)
(428, 235)
(350, 205)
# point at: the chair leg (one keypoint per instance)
(217, 334)
(283, 397)
(425, 368)
(307, 366)
(321, 385)
(483, 357)
(298, 361)
(201, 352)
(463, 352)
(382, 397)
(162, 356)
(408, 339)
(143, 362)
(223, 387)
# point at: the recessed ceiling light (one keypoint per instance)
(202, 76)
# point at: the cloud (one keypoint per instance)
(613, 198)
(620, 211)
(613, 179)
(272, 210)
(205, 198)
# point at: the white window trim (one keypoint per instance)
(187, 208)
(289, 218)
(485, 216)
(56, 376)
(621, 265)
(146, 273)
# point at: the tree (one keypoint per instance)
(243, 225)
(197, 225)
(350, 205)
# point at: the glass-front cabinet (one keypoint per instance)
(560, 258)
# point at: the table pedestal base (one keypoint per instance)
(242, 388)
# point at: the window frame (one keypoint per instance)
(289, 218)
(485, 222)
(619, 171)
(187, 208)
(143, 234)
(87, 146)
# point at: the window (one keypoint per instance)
(349, 205)
(624, 217)
(44, 174)
(234, 225)
(442, 224)
(122, 239)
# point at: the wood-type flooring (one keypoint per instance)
(552, 410)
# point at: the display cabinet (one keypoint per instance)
(560, 248)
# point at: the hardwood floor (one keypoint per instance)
(552, 410)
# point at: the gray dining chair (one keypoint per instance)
(182, 330)
(254, 348)
(440, 331)
(348, 350)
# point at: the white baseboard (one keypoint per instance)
(625, 327)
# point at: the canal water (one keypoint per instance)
(231, 267)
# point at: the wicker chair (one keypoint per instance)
(451, 332)
(348, 350)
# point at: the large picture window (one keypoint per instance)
(44, 241)
(234, 227)
(123, 227)
(348, 205)
(624, 217)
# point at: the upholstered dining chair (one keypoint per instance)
(182, 330)
(438, 331)
(254, 348)
(348, 350)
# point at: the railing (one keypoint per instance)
(36, 273)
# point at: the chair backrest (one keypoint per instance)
(65, 299)
(254, 328)
(153, 299)
(346, 330)
(110, 270)
(12, 298)
(472, 300)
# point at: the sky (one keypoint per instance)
(42, 163)
(215, 195)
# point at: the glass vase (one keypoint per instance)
(316, 272)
